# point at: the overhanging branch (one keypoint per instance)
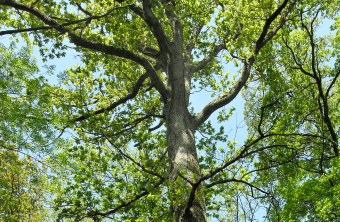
(87, 19)
(95, 46)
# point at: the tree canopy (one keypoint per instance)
(123, 137)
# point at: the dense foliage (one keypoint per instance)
(119, 130)
(298, 110)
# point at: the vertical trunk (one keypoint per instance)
(184, 164)
(181, 147)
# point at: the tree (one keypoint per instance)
(135, 152)
(21, 184)
(23, 133)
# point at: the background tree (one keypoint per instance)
(299, 112)
(22, 188)
(136, 152)
(24, 135)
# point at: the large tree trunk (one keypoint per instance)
(181, 147)
(184, 164)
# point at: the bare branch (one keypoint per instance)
(238, 181)
(125, 203)
(121, 101)
(176, 26)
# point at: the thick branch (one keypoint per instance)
(263, 37)
(262, 40)
(225, 99)
(56, 25)
(176, 26)
(148, 16)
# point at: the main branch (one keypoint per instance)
(155, 26)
